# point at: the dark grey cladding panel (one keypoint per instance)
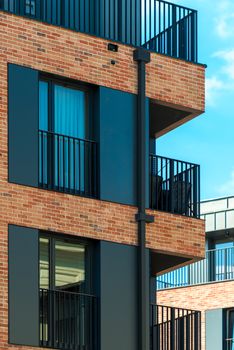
(118, 146)
(23, 123)
(119, 297)
(23, 286)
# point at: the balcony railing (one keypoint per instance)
(157, 25)
(217, 266)
(175, 328)
(229, 344)
(174, 186)
(68, 320)
(67, 164)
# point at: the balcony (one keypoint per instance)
(217, 266)
(174, 186)
(68, 320)
(229, 344)
(175, 328)
(67, 164)
(156, 25)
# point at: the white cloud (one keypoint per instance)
(223, 81)
(213, 87)
(228, 187)
(228, 57)
(224, 20)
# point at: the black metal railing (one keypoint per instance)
(174, 30)
(67, 164)
(175, 328)
(174, 186)
(217, 266)
(68, 320)
(157, 25)
(229, 344)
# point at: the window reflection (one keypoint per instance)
(69, 266)
(44, 263)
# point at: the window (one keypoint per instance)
(223, 259)
(8, 5)
(66, 302)
(67, 153)
(30, 8)
(229, 329)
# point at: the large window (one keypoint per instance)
(67, 306)
(67, 151)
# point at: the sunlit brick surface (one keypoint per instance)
(203, 297)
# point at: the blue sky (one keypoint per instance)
(208, 140)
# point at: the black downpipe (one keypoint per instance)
(142, 57)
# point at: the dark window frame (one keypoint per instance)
(91, 189)
(76, 85)
(89, 247)
(86, 310)
(30, 8)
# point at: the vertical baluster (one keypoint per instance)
(41, 317)
(85, 168)
(169, 30)
(74, 164)
(155, 45)
(159, 28)
(164, 27)
(79, 165)
(64, 162)
(174, 32)
(59, 318)
(89, 170)
(68, 165)
(56, 166)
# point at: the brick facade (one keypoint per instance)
(78, 56)
(202, 297)
(86, 58)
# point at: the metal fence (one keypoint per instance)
(67, 164)
(175, 328)
(217, 266)
(155, 24)
(68, 320)
(229, 344)
(174, 186)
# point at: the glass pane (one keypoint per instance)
(230, 219)
(70, 151)
(44, 263)
(69, 266)
(43, 105)
(43, 135)
(30, 8)
(44, 285)
(69, 106)
(8, 5)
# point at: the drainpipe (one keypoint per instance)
(142, 57)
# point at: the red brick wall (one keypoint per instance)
(86, 58)
(79, 56)
(202, 297)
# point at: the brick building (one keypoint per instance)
(86, 88)
(208, 285)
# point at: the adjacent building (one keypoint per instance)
(90, 213)
(208, 285)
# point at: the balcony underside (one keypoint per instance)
(164, 118)
(217, 266)
(164, 262)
